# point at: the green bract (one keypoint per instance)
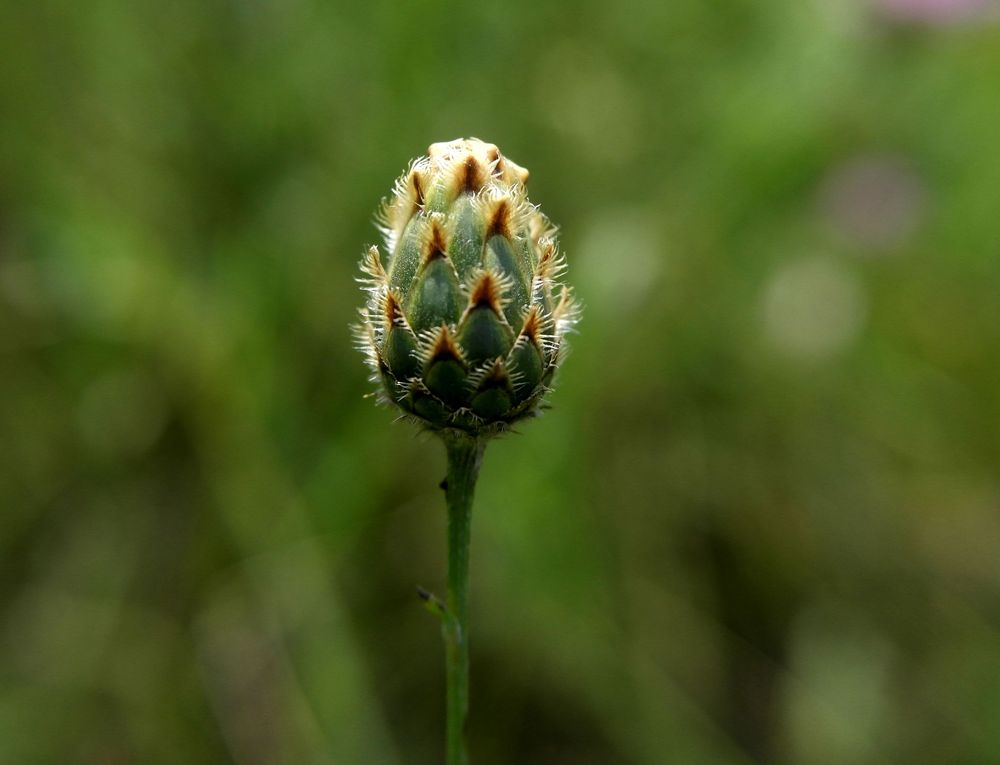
(465, 317)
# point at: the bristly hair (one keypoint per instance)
(471, 174)
(551, 262)
(566, 314)
(489, 289)
(537, 330)
(392, 311)
(406, 201)
(540, 227)
(364, 340)
(491, 374)
(506, 210)
(436, 245)
(375, 277)
(440, 343)
(531, 325)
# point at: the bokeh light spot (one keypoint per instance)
(812, 308)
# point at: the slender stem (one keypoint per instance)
(465, 454)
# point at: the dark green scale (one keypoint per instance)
(500, 258)
(527, 259)
(428, 407)
(389, 382)
(483, 336)
(526, 363)
(465, 241)
(406, 258)
(492, 402)
(435, 299)
(399, 351)
(439, 196)
(447, 378)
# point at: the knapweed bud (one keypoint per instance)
(465, 317)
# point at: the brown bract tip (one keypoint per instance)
(532, 328)
(487, 292)
(436, 246)
(500, 219)
(393, 310)
(417, 184)
(546, 258)
(472, 175)
(371, 266)
(444, 347)
(495, 377)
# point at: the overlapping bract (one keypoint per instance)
(465, 318)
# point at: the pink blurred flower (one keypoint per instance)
(936, 11)
(876, 201)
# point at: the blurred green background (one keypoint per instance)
(761, 523)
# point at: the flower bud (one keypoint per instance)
(466, 315)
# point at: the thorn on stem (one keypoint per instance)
(444, 484)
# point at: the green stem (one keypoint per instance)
(465, 454)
